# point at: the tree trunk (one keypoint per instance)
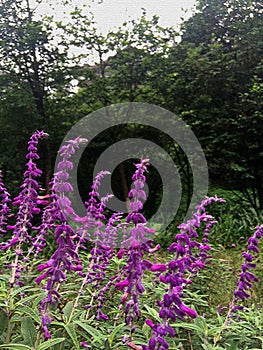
(125, 188)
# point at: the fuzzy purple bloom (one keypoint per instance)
(172, 306)
(246, 277)
(158, 268)
(65, 259)
(4, 205)
(27, 200)
(135, 247)
(28, 205)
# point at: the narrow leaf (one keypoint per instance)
(28, 331)
(115, 331)
(152, 312)
(70, 328)
(3, 322)
(68, 309)
(15, 347)
(98, 336)
(31, 312)
(51, 342)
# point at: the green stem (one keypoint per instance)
(8, 330)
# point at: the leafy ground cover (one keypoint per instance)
(71, 282)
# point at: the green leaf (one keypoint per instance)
(23, 289)
(28, 331)
(51, 342)
(59, 333)
(152, 312)
(207, 346)
(97, 335)
(115, 331)
(70, 329)
(201, 323)
(3, 321)
(68, 309)
(35, 298)
(233, 346)
(15, 347)
(189, 326)
(107, 345)
(215, 330)
(31, 312)
(260, 338)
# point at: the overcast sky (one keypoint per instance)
(112, 13)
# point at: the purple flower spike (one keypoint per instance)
(61, 186)
(246, 277)
(27, 202)
(184, 262)
(65, 259)
(158, 268)
(4, 205)
(121, 285)
(134, 248)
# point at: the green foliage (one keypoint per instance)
(208, 331)
(219, 84)
(235, 219)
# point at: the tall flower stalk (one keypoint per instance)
(99, 234)
(136, 245)
(5, 201)
(28, 206)
(245, 279)
(175, 277)
(65, 258)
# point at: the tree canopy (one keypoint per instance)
(209, 73)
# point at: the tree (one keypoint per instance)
(35, 63)
(215, 63)
(246, 166)
(131, 66)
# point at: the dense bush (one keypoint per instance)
(123, 291)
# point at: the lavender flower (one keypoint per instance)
(103, 240)
(172, 305)
(61, 186)
(4, 205)
(28, 205)
(135, 246)
(92, 222)
(244, 281)
(65, 259)
(246, 277)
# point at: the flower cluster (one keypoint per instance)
(190, 252)
(61, 185)
(65, 258)
(245, 276)
(172, 305)
(135, 247)
(93, 220)
(27, 201)
(101, 239)
(4, 205)
(28, 205)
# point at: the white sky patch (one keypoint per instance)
(110, 14)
